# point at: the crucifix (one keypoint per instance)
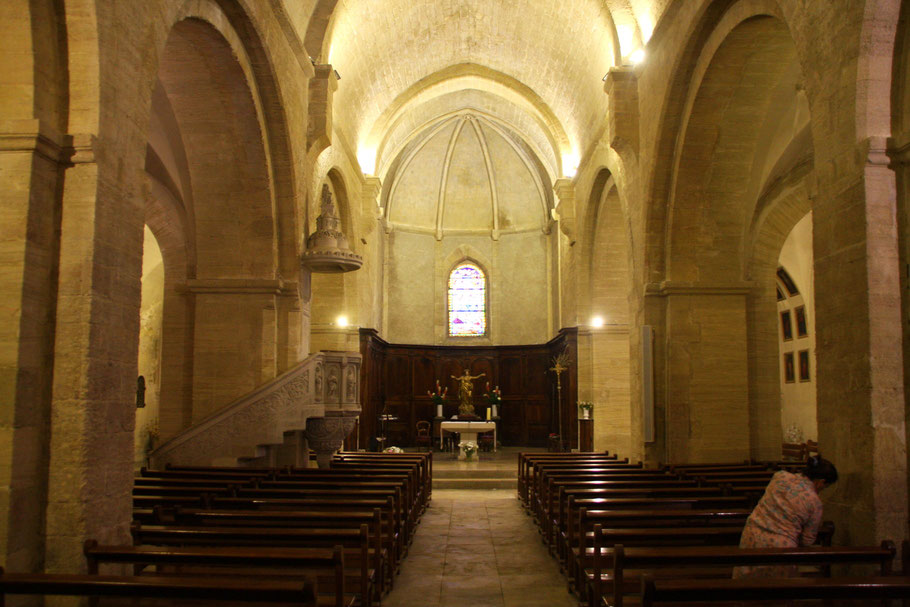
(560, 364)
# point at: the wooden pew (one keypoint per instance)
(568, 509)
(603, 542)
(424, 461)
(302, 593)
(301, 563)
(629, 564)
(526, 459)
(382, 531)
(538, 469)
(749, 590)
(547, 506)
(648, 528)
(356, 544)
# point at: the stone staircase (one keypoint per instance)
(463, 475)
(313, 405)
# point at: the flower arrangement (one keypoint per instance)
(469, 448)
(439, 396)
(494, 396)
(586, 408)
(393, 449)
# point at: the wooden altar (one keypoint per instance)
(395, 379)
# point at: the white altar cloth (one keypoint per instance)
(468, 430)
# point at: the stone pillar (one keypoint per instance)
(861, 406)
(236, 338)
(705, 399)
(97, 332)
(31, 158)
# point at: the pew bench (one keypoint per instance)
(762, 590)
(325, 565)
(371, 569)
(619, 571)
(296, 592)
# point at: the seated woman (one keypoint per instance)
(788, 514)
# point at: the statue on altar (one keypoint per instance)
(466, 393)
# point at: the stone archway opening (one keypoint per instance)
(739, 188)
(151, 316)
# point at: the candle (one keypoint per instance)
(488, 414)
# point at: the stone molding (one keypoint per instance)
(622, 329)
(289, 402)
(34, 136)
(239, 286)
(667, 288)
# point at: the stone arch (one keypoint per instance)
(317, 38)
(717, 156)
(164, 217)
(344, 205)
(785, 205)
(743, 132)
(224, 147)
(217, 149)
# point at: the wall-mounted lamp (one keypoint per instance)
(341, 321)
(597, 322)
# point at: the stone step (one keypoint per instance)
(440, 472)
(510, 484)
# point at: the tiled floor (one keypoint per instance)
(476, 548)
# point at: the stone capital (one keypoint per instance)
(621, 86)
(369, 203)
(564, 189)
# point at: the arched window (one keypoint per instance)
(467, 301)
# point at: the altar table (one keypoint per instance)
(468, 430)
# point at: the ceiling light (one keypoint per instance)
(366, 158)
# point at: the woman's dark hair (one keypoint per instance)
(819, 468)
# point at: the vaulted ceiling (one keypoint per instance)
(535, 65)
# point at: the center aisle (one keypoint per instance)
(477, 548)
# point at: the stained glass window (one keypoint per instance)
(467, 302)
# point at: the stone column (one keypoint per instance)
(31, 167)
(861, 405)
(705, 399)
(97, 332)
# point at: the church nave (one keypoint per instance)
(478, 548)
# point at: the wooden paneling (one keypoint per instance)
(396, 377)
